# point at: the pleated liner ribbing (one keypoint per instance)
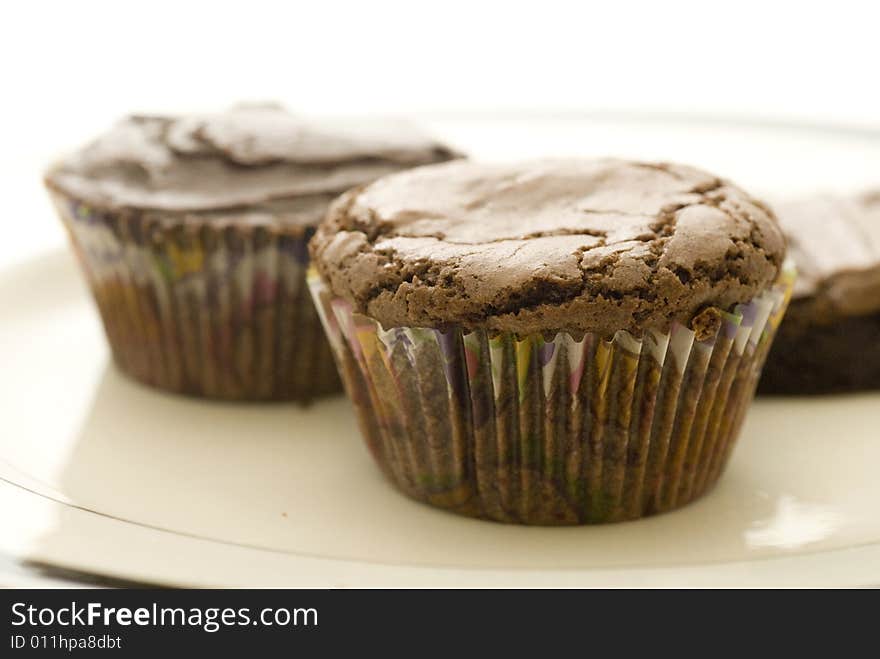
(561, 431)
(207, 309)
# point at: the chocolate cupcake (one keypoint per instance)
(830, 340)
(192, 233)
(556, 342)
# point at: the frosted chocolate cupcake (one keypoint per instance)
(830, 340)
(192, 233)
(555, 342)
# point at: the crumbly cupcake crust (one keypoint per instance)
(574, 245)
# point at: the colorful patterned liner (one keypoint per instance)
(562, 431)
(206, 309)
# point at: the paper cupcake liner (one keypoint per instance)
(568, 430)
(207, 309)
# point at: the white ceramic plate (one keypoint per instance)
(103, 476)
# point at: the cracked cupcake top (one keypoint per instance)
(255, 160)
(577, 245)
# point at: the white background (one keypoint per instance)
(70, 68)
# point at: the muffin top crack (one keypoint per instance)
(554, 245)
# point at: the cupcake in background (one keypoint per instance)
(830, 339)
(192, 233)
(557, 342)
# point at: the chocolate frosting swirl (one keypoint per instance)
(835, 243)
(250, 157)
